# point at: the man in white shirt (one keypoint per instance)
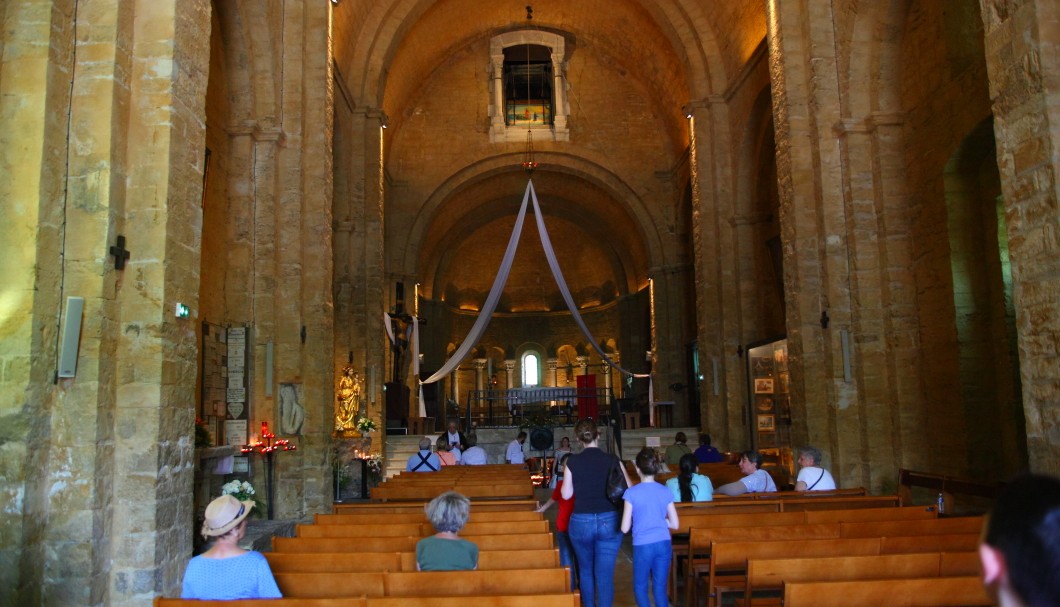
(475, 455)
(514, 455)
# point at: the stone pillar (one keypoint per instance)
(835, 259)
(1022, 43)
(719, 322)
(559, 91)
(480, 373)
(497, 79)
(552, 364)
(583, 364)
(509, 373)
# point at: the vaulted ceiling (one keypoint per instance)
(607, 195)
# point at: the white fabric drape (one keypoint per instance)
(494, 296)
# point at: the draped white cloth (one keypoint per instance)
(484, 315)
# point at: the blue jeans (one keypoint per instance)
(596, 539)
(566, 557)
(651, 560)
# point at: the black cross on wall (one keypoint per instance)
(120, 253)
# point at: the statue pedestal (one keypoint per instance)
(351, 466)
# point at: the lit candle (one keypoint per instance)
(264, 428)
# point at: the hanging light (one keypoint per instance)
(529, 164)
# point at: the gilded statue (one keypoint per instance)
(349, 400)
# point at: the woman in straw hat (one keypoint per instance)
(226, 571)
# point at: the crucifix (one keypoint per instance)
(120, 253)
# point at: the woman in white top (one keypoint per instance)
(812, 477)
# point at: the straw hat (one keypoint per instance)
(224, 514)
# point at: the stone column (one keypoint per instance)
(480, 373)
(1022, 43)
(559, 91)
(552, 364)
(583, 364)
(509, 373)
(719, 320)
(497, 79)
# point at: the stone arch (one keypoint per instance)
(984, 316)
(650, 233)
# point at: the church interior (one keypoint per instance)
(223, 206)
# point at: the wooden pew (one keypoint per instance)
(420, 529)
(971, 524)
(421, 517)
(861, 515)
(701, 538)
(770, 575)
(423, 583)
(728, 560)
(514, 581)
(942, 542)
(477, 505)
(284, 602)
(912, 592)
(570, 599)
(522, 541)
(412, 491)
(296, 562)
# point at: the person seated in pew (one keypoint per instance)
(474, 455)
(755, 480)
(226, 571)
(706, 453)
(424, 460)
(812, 477)
(676, 451)
(566, 507)
(649, 511)
(1020, 549)
(689, 485)
(446, 550)
(445, 455)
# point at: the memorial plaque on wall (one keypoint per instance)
(236, 390)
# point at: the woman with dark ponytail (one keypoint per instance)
(689, 485)
(594, 524)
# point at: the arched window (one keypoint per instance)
(531, 369)
(528, 87)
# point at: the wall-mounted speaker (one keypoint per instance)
(71, 339)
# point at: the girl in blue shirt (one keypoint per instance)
(649, 511)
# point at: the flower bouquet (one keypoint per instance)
(244, 492)
(366, 425)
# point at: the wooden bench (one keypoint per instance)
(297, 562)
(942, 542)
(412, 491)
(423, 583)
(570, 599)
(477, 505)
(728, 560)
(701, 538)
(914, 592)
(705, 519)
(567, 599)
(284, 602)
(770, 575)
(421, 517)
(522, 541)
(971, 524)
(419, 529)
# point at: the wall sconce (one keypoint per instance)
(824, 319)
(687, 111)
(384, 120)
(335, 2)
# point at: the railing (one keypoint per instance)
(538, 406)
